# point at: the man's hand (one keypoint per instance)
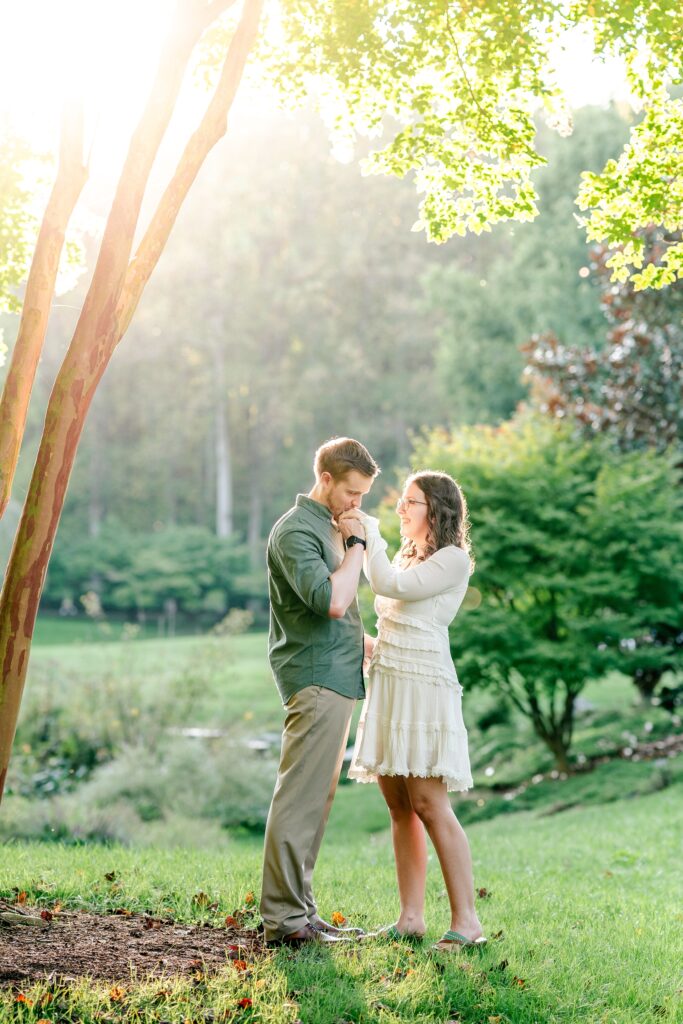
(350, 525)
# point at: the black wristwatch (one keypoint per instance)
(350, 541)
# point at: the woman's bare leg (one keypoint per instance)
(429, 800)
(410, 852)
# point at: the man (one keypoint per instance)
(316, 649)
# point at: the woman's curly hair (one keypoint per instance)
(447, 518)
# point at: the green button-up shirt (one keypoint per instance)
(305, 646)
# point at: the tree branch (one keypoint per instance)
(70, 179)
(212, 127)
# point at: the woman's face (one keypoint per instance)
(412, 510)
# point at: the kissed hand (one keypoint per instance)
(350, 525)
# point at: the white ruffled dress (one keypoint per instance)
(412, 720)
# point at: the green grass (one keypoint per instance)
(234, 672)
(589, 903)
(51, 630)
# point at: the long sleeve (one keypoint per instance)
(444, 570)
(297, 556)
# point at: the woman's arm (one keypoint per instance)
(447, 568)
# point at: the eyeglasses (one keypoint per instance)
(408, 503)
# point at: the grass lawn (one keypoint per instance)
(586, 909)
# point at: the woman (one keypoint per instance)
(411, 738)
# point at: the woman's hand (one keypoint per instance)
(351, 525)
(368, 648)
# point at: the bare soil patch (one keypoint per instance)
(76, 944)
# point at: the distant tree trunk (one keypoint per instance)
(95, 469)
(171, 493)
(224, 492)
(255, 524)
(112, 297)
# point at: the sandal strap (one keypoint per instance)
(455, 937)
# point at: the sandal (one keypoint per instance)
(392, 934)
(451, 938)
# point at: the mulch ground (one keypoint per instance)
(75, 944)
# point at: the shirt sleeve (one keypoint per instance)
(298, 558)
(446, 569)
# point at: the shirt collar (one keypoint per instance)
(303, 501)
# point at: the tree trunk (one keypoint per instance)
(554, 728)
(224, 491)
(255, 524)
(111, 299)
(560, 753)
(40, 288)
(95, 503)
(647, 680)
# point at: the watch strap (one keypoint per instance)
(350, 541)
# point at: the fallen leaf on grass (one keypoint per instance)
(231, 922)
(520, 982)
(338, 919)
(484, 894)
(240, 965)
(21, 897)
(21, 998)
(46, 915)
(249, 898)
(495, 1020)
(245, 1003)
(56, 907)
(44, 1020)
(117, 994)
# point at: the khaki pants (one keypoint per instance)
(313, 744)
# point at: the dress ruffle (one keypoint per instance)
(410, 726)
(393, 615)
(438, 675)
(423, 749)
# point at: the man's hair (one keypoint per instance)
(341, 455)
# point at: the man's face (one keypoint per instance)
(346, 493)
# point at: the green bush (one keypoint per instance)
(579, 556)
(186, 566)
